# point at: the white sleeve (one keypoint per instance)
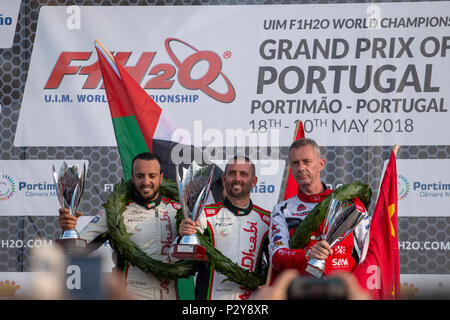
(278, 232)
(97, 226)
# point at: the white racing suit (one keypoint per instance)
(153, 229)
(288, 215)
(241, 235)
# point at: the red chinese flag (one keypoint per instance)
(380, 271)
(291, 185)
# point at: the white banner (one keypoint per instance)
(16, 285)
(356, 74)
(27, 187)
(9, 10)
(423, 187)
(425, 286)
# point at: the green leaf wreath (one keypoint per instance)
(115, 206)
(313, 220)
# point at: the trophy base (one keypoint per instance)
(189, 252)
(73, 246)
(316, 268)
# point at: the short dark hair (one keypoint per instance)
(303, 142)
(247, 159)
(146, 156)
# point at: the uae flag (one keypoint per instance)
(380, 270)
(291, 185)
(140, 125)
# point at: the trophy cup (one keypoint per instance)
(193, 186)
(69, 186)
(340, 220)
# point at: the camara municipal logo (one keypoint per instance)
(7, 187)
(403, 187)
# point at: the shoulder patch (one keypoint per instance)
(175, 204)
(263, 214)
(265, 218)
(359, 205)
(213, 209)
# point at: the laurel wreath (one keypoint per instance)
(313, 220)
(116, 205)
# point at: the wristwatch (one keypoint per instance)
(307, 254)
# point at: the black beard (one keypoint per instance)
(233, 194)
(151, 197)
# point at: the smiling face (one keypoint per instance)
(306, 165)
(239, 178)
(147, 178)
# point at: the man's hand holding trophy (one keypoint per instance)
(193, 186)
(69, 185)
(340, 220)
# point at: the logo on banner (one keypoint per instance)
(163, 73)
(403, 187)
(7, 187)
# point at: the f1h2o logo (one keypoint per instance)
(203, 84)
(163, 73)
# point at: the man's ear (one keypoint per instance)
(254, 181)
(322, 163)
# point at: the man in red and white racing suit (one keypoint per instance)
(236, 227)
(306, 165)
(150, 219)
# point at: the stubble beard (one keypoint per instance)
(146, 197)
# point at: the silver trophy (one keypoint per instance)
(340, 220)
(69, 185)
(193, 186)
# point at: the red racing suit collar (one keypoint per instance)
(314, 198)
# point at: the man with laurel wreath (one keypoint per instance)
(236, 227)
(150, 218)
(306, 165)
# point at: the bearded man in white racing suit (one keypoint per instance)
(150, 218)
(306, 164)
(236, 227)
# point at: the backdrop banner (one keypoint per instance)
(363, 74)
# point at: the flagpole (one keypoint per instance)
(110, 56)
(395, 149)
